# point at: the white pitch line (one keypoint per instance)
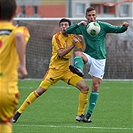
(79, 127)
(65, 87)
(52, 87)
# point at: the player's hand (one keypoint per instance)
(83, 23)
(22, 72)
(75, 41)
(125, 24)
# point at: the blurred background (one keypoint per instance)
(74, 8)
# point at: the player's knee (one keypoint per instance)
(78, 53)
(95, 87)
(85, 89)
(82, 86)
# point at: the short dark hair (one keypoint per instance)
(8, 8)
(90, 9)
(65, 20)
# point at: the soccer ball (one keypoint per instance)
(93, 28)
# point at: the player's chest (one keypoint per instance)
(66, 42)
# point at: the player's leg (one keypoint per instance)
(93, 98)
(78, 82)
(79, 61)
(44, 85)
(83, 98)
(97, 72)
(29, 100)
(82, 104)
(8, 105)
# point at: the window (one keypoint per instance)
(80, 9)
(35, 9)
(105, 9)
(124, 10)
(23, 9)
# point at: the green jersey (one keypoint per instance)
(95, 45)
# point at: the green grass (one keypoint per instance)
(55, 110)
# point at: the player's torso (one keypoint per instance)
(62, 42)
(95, 45)
(8, 54)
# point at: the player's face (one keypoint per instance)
(64, 26)
(91, 16)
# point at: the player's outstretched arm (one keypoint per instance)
(73, 28)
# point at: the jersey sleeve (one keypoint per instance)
(24, 31)
(109, 28)
(73, 29)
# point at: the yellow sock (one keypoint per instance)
(5, 127)
(83, 98)
(30, 99)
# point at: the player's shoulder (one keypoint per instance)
(73, 36)
(56, 35)
(21, 30)
(104, 24)
(7, 26)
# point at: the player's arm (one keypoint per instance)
(62, 52)
(74, 29)
(109, 28)
(21, 48)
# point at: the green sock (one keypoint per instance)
(79, 62)
(92, 101)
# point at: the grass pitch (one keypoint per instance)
(55, 110)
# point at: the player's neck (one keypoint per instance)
(64, 34)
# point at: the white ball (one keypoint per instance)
(93, 28)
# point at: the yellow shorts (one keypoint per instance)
(53, 75)
(8, 102)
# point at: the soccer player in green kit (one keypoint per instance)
(94, 54)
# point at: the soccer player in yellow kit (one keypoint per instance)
(62, 50)
(12, 53)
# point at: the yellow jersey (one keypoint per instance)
(8, 54)
(59, 41)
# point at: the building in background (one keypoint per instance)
(41, 8)
(113, 8)
(73, 8)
